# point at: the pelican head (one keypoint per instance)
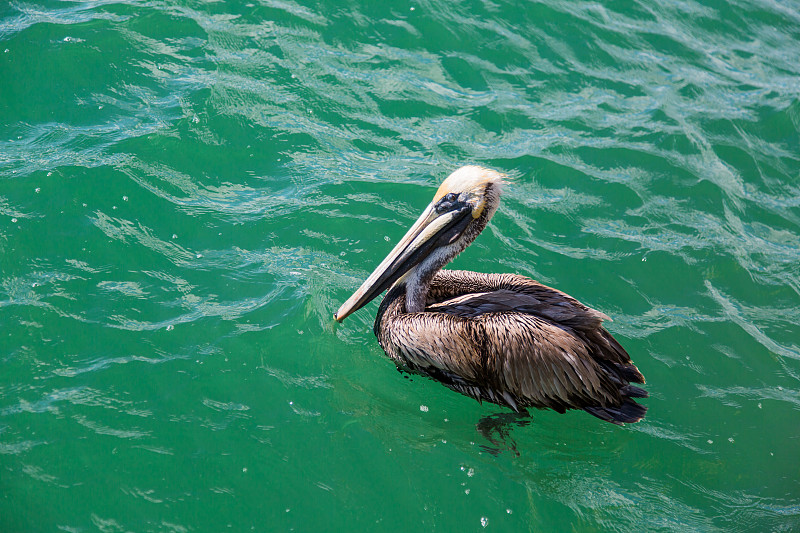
(460, 209)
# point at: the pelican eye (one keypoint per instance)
(448, 202)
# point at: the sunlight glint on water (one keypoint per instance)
(188, 191)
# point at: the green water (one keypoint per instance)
(189, 190)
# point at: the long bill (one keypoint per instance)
(430, 231)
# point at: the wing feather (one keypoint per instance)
(509, 340)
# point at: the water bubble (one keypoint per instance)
(170, 327)
(199, 256)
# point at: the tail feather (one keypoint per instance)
(627, 413)
(630, 372)
(632, 391)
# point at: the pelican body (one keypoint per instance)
(501, 338)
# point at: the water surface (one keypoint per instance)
(189, 190)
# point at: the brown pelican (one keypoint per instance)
(502, 338)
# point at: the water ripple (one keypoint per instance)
(186, 188)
